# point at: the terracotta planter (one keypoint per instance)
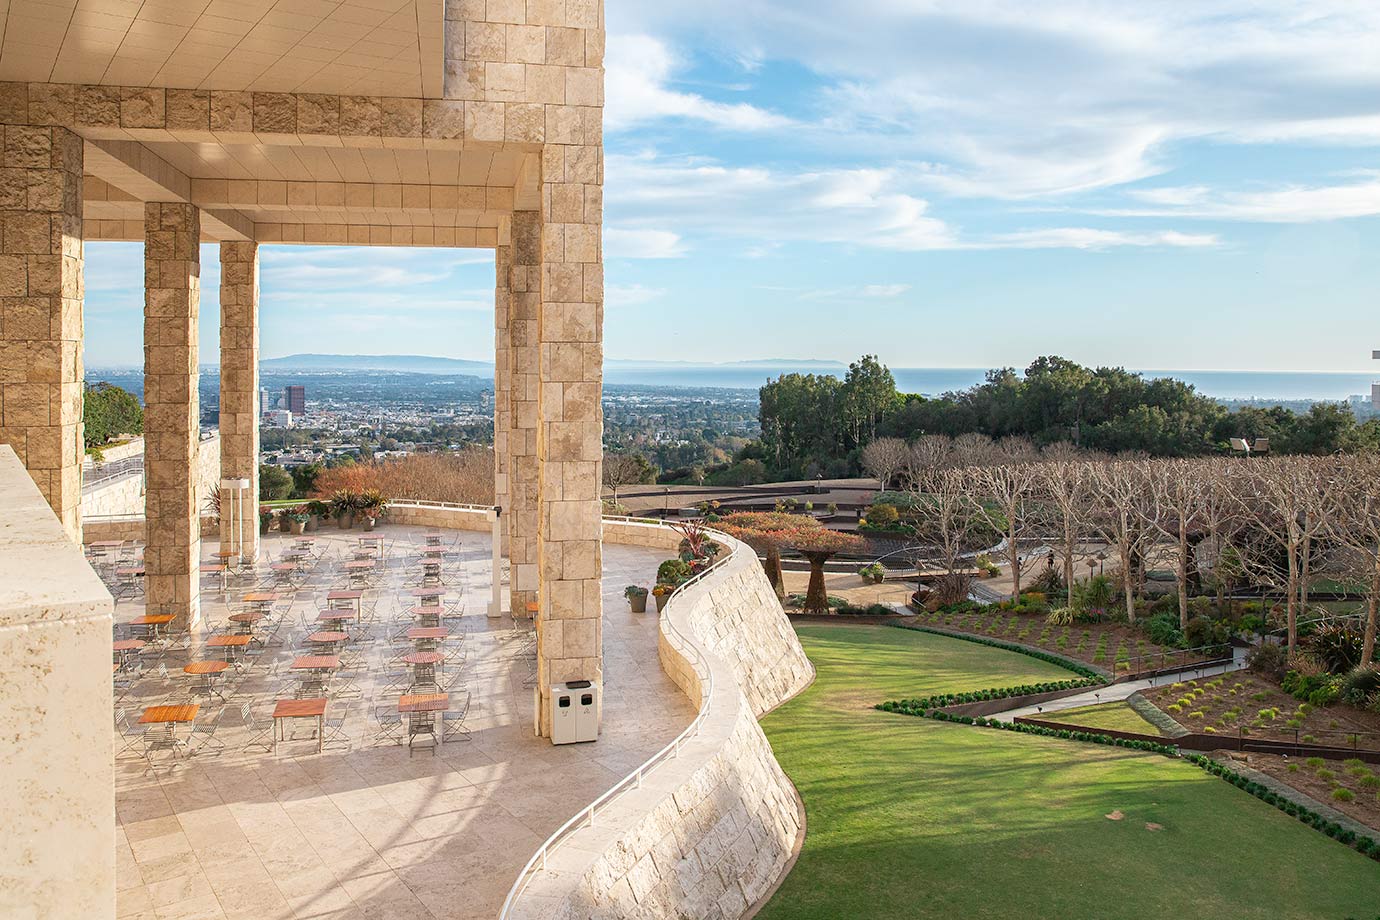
(313, 522)
(370, 522)
(297, 527)
(638, 603)
(346, 520)
(661, 600)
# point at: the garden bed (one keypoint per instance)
(1245, 703)
(1351, 787)
(1108, 645)
(1118, 716)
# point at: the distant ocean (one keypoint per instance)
(935, 380)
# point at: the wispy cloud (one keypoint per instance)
(642, 243)
(1289, 204)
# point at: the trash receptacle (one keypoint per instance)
(575, 712)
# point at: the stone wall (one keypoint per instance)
(708, 833)
(56, 853)
(122, 496)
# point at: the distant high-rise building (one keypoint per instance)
(295, 400)
(264, 404)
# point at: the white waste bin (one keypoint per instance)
(575, 712)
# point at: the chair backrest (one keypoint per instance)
(247, 714)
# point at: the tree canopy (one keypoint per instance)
(109, 411)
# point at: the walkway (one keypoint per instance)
(365, 831)
(1116, 692)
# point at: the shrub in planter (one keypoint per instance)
(284, 520)
(265, 519)
(873, 573)
(317, 511)
(673, 572)
(662, 593)
(343, 505)
(637, 598)
(297, 521)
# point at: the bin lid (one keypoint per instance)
(578, 685)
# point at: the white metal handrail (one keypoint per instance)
(585, 817)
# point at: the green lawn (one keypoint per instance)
(1117, 716)
(912, 819)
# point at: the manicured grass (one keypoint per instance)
(913, 819)
(1117, 716)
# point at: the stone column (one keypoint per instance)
(524, 305)
(239, 388)
(503, 383)
(41, 263)
(570, 446)
(172, 424)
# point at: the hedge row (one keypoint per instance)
(921, 706)
(1066, 663)
(1366, 846)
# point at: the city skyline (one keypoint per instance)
(962, 187)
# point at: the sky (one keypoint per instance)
(943, 183)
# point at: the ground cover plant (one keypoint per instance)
(1118, 716)
(1352, 787)
(913, 818)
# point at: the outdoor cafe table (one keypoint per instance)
(354, 598)
(233, 644)
(317, 664)
(153, 622)
(215, 568)
(328, 638)
(424, 664)
(427, 637)
(261, 599)
(210, 673)
(423, 593)
(421, 709)
(299, 709)
(428, 614)
(247, 618)
(170, 716)
(335, 616)
(126, 648)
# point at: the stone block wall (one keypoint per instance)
(708, 833)
(239, 389)
(56, 853)
(122, 496)
(41, 287)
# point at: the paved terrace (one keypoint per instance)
(363, 830)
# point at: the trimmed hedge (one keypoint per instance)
(1364, 845)
(1067, 664)
(921, 706)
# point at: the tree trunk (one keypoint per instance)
(1068, 560)
(1303, 579)
(1372, 605)
(816, 597)
(772, 566)
(1183, 572)
(1292, 610)
(1128, 581)
(1015, 552)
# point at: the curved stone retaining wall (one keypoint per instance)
(708, 833)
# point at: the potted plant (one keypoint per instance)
(673, 572)
(285, 520)
(297, 520)
(372, 505)
(265, 519)
(662, 593)
(343, 508)
(317, 511)
(873, 573)
(637, 598)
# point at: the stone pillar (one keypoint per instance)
(172, 424)
(503, 384)
(41, 262)
(524, 305)
(570, 446)
(239, 387)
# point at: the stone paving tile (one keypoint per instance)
(363, 832)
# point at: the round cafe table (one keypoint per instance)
(210, 673)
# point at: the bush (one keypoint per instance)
(873, 572)
(1049, 582)
(1164, 630)
(673, 572)
(1203, 632)
(1359, 684)
(1270, 660)
(1337, 646)
(1062, 616)
(1343, 795)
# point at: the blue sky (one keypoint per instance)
(948, 184)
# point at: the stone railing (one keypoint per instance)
(708, 826)
(56, 854)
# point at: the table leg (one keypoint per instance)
(320, 731)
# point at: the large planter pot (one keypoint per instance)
(661, 600)
(638, 603)
(297, 527)
(346, 520)
(370, 522)
(313, 522)
(263, 525)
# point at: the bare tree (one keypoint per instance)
(884, 458)
(1176, 491)
(1355, 524)
(947, 514)
(930, 452)
(624, 469)
(1124, 516)
(974, 450)
(1065, 484)
(1011, 487)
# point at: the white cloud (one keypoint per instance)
(1290, 204)
(641, 243)
(1011, 99)
(871, 208)
(885, 290)
(638, 71)
(631, 295)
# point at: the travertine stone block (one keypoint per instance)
(172, 301)
(239, 388)
(503, 387)
(41, 290)
(524, 486)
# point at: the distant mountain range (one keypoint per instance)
(407, 364)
